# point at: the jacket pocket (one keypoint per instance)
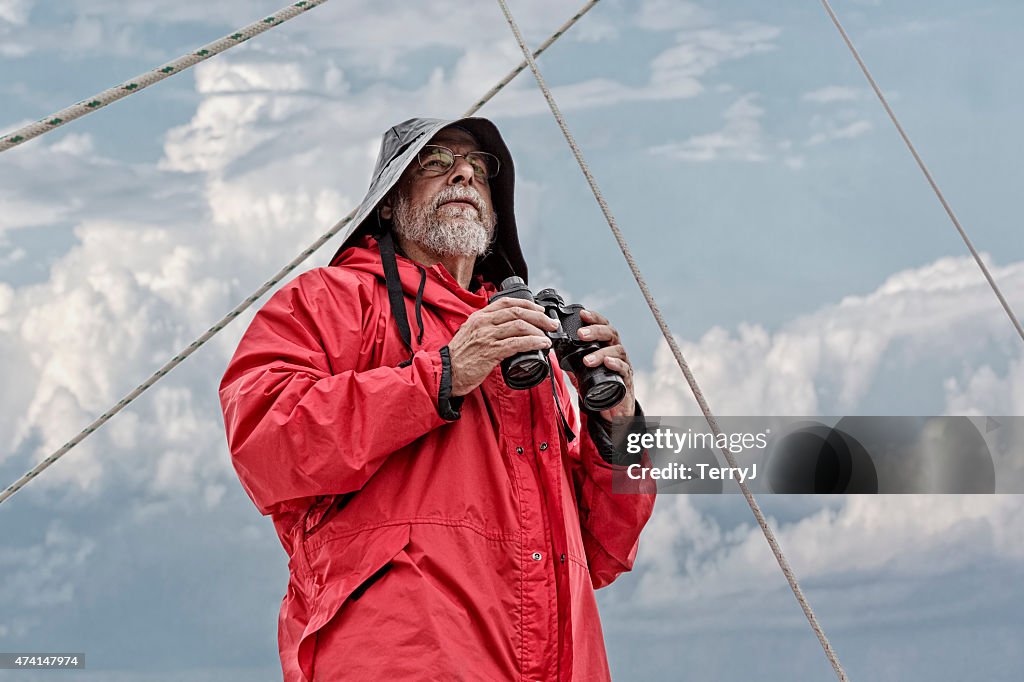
(343, 568)
(323, 509)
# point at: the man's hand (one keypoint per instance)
(614, 357)
(493, 333)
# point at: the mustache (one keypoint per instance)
(456, 193)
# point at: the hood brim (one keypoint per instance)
(399, 147)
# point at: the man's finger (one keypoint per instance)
(599, 356)
(522, 344)
(517, 327)
(619, 366)
(534, 317)
(504, 303)
(591, 317)
(599, 332)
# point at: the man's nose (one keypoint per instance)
(461, 173)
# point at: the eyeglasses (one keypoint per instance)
(438, 160)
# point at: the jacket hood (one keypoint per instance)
(399, 147)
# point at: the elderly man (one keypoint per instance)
(440, 525)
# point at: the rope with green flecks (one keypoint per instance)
(252, 298)
(143, 81)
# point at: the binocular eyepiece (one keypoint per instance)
(600, 388)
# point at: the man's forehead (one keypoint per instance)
(455, 135)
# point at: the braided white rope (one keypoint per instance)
(927, 174)
(252, 298)
(670, 339)
(144, 80)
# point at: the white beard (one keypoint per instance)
(450, 230)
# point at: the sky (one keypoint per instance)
(795, 249)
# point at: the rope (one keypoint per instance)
(924, 169)
(670, 339)
(241, 307)
(143, 81)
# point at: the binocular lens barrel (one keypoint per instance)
(601, 390)
(525, 371)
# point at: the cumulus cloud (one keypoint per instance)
(117, 304)
(984, 391)
(854, 550)
(39, 576)
(64, 178)
(827, 361)
(870, 544)
(739, 139)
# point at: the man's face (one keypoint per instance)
(448, 214)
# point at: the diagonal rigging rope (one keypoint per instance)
(670, 339)
(144, 80)
(924, 169)
(252, 298)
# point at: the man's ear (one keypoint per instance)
(385, 210)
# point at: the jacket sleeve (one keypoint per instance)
(610, 519)
(302, 423)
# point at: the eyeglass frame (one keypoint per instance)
(485, 155)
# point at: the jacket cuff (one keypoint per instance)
(448, 406)
(611, 440)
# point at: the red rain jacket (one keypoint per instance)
(420, 548)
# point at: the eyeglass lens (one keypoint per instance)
(441, 159)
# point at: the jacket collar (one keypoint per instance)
(441, 290)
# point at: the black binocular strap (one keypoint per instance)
(393, 282)
(569, 435)
(419, 303)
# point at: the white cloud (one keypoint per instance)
(843, 123)
(230, 75)
(833, 93)
(76, 144)
(698, 52)
(984, 392)
(65, 177)
(365, 30)
(914, 27)
(115, 306)
(675, 73)
(15, 11)
(846, 132)
(826, 362)
(40, 576)
(689, 558)
(670, 15)
(740, 139)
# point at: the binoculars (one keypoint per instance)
(599, 387)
